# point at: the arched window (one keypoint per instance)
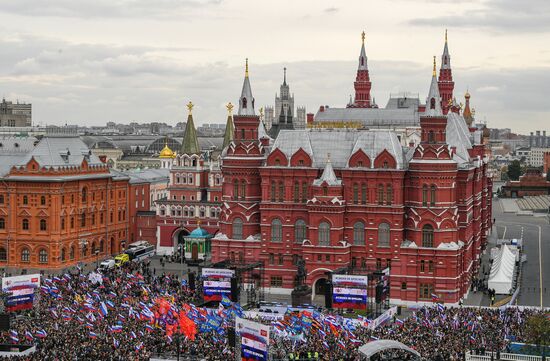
(355, 193)
(432, 103)
(25, 200)
(25, 224)
(384, 235)
(424, 195)
(42, 201)
(235, 189)
(304, 192)
(25, 255)
(431, 136)
(84, 194)
(243, 189)
(427, 236)
(281, 192)
(276, 230)
(2, 223)
(324, 234)
(190, 179)
(101, 246)
(244, 103)
(359, 233)
(432, 195)
(43, 225)
(296, 192)
(84, 250)
(380, 194)
(93, 247)
(300, 231)
(71, 253)
(63, 255)
(3, 254)
(43, 256)
(237, 228)
(389, 194)
(83, 219)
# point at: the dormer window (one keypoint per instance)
(244, 103)
(432, 103)
(277, 162)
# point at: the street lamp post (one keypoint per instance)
(96, 258)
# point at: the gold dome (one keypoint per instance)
(166, 152)
(467, 95)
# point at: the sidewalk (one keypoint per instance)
(479, 298)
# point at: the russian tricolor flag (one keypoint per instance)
(103, 309)
(93, 335)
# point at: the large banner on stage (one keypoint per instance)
(216, 283)
(349, 291)
(254, 339)
(20, 290)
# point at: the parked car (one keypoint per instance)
(107, 264)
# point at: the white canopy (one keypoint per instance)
(502, 271)
(374, 347)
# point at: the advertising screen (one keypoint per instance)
(349, 291)
(216, 283)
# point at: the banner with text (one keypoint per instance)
(349, 291)
(20, 290)
(254, 340)
(216, 283)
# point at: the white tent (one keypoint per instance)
(502, 271)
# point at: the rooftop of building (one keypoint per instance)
(371, 117)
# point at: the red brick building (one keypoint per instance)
(194, 190)
(339, 197)
(59, 203)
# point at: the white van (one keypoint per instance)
(107, 264)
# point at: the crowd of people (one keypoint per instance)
(131, 313)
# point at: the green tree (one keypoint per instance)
(537, 330)
(514, 170)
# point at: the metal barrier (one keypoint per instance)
(503, 356)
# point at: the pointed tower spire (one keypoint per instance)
(284, 76)
(363, 54)
(246, 101)
(229, 134)
(446, 57)
(433, 102)
(190, 143)
(445, 82)
(362, 82)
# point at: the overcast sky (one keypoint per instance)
(93, 61)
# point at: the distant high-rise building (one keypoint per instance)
(15, 114)
(283, 116)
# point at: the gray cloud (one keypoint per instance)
(497, 15)
(331, 10)
(93, 84)
(103, 8)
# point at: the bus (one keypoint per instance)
(138, 244)
(140, 253)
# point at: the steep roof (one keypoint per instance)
(190, 143)
(458, 136)
(54, 151)
(371, 117)
(340, 143)
(246, 101)
(328, 176)
(229, 134)
(433, 93)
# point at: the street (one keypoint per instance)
(535, 232)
